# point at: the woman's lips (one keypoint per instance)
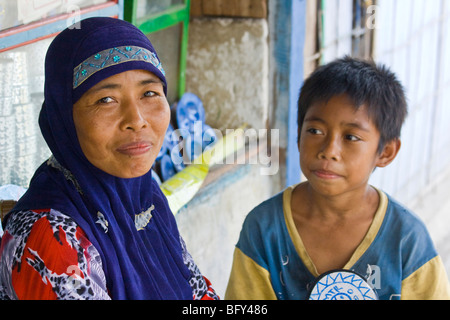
(135, 148)
(325, 174)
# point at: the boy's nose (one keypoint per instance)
(331, 150)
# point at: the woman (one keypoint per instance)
(94, 224)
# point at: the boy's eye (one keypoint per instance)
(351, 137)
(314, 131)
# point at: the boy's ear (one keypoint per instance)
(389, 152)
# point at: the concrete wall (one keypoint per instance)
(227, 68)
(210, 224)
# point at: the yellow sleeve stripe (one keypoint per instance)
(429, 282)
(248, 280)
(293, 233)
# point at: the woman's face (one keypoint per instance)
(121, 123)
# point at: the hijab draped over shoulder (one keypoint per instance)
(127, 220)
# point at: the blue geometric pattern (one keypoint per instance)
(342, 285)
(110, 57)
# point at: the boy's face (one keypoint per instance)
(338, 147)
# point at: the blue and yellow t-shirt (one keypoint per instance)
(397, 255)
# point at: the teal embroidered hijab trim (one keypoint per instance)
(110, 57)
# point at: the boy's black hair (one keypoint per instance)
(366, 84)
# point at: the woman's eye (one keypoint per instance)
(150, 93)
(105, 100)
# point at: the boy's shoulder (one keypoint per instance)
(265, 221)
(405, 230)
(403, 217)
(263, 230)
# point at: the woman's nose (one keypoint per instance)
(133, 117)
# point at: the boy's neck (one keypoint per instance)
(354, 204)
(332, 228)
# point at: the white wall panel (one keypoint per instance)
(413, 40)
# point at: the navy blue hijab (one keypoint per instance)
(127, 220)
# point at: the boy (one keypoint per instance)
(350, 114)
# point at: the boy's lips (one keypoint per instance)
(326, 174)
(135, 148)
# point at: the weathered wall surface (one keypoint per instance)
(210, 224)
(227, 67)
